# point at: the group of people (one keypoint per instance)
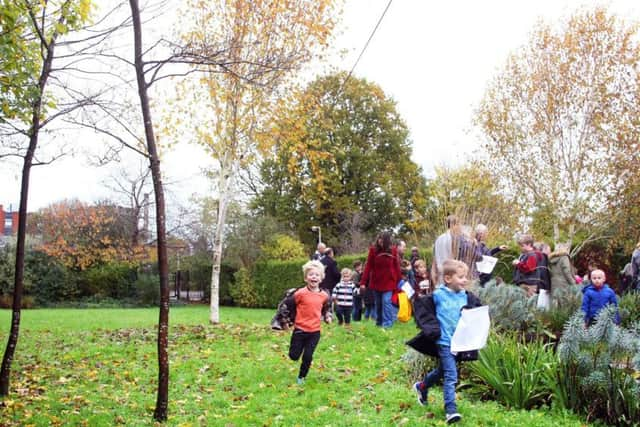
(435, 309)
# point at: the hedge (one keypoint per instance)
(271, 279)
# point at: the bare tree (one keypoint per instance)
(40, 42)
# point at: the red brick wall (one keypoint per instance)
(14, 222)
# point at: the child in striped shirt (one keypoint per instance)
(343, 297)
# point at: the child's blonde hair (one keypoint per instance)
(311, 265)
(452, 266)
(419, 263)
(346, 270)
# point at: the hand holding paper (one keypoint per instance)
(487, 264)
(472, 330)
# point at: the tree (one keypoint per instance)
(341, 160)
(141, 69)
(555, 118)
(263, 43)
(469, 192)
(81, 236)
(30, 34)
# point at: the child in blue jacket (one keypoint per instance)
(596, 296)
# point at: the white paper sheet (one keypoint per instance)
(408, 289)
(487, 264)
(472, 330)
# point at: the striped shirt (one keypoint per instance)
(343, 294)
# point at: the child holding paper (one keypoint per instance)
(437, 316)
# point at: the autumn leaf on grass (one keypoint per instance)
(381, 377)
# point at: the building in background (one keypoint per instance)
(8, 222)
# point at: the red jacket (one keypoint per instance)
(382, 270)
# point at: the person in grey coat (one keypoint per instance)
(562, 276)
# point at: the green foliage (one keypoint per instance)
(272, 278)
(564, 303)
(514, 372)
(504, 268)
(597, 369)
(147, 289)
(629, 305)
(112, 280)
(21, 47)
(48, 280)
(509, 307)
(341, 160)
(416, 364)
(243, 292)
(282, 248)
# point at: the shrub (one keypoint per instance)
(243, 292)
(48, 280)
(597, 369)
(629, 309)
(113, 280)
(510, 309)
(416, 364)
(282, 247)
(564, 304)
(147, 289)
(513, 372)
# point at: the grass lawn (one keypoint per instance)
(98, 367)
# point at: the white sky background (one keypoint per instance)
(433, 58)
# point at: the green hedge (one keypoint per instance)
(271, 279)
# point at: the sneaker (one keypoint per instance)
(453, 418)
(300, 381)
(422, 394)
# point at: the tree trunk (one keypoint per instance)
(214, 313)
(162, 401)
(18, 286)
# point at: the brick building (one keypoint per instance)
(8, 222)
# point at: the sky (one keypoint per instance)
(434, 59)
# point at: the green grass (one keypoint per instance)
(98, 367)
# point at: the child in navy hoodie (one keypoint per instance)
(596, 296)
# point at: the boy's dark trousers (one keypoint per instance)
(303, 343)
(357, 308)
(343, 313)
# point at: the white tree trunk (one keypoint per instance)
(225, 181)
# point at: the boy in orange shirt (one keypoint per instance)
(312, 304)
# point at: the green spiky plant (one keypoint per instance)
(598, 369)
(509, 307)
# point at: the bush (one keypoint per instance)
(510, 309)
(48, 281)
(514, 372)
(282, 247)
(113, 280)
(271, 279)
(629, 309)
(147, 289)
(597, 369)
(243, 292)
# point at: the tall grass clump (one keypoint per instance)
(513, 372)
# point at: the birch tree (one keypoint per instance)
(265, 43)
(554, 118)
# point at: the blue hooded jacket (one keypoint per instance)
(594, 299)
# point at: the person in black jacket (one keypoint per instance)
(331, 272)
(437, 316)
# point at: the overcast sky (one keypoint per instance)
(433, 58)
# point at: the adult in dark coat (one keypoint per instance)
(331, 272)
